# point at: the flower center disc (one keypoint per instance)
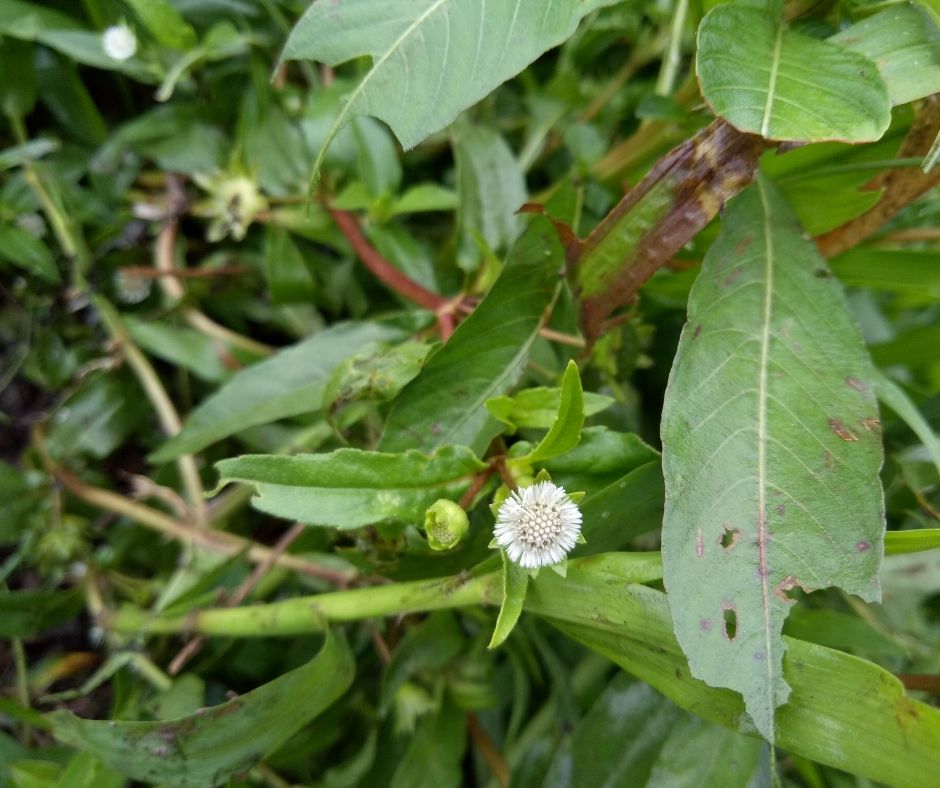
(540, 525)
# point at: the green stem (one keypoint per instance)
(156, 393)
(303, 615)
(670, 65)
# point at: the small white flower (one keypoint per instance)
(119, 42)
(538, 525)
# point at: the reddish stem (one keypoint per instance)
(384, 270)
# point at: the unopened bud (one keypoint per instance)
(445, 523)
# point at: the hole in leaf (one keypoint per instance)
(730, 616)
(730, 537)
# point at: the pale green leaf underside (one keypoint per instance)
(771, 451)
(207, 747)
(904, 43)
(565, 431)
(431, 59)
(766, 79)
(349, 488)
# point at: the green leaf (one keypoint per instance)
(431, 59)
(490, 185)
(24, 613)
(904, 42)
(377, 372)
(212, 744)
(565, 432)
(601, 458)
(164, 23)
(767, 79)
(444, 405)
(912, 541)
(289, 280)
(841, 631)
(28, 252)
(832, 691)
(515, 583)
(537, 408)
(771, 451)
(896, 398)
(912, 272)
(349, 488)
(379, 165)
(425, 197)
(633, 735)
(288, 384)
(180, 345)
(17, 96)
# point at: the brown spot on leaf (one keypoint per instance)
(698, 330)
(699, 544)
(759, 655)
(837, 427)
(872, 425)
(863, 545)
(827, 459)
(730, 278)
(781, 509)
(856, 384)
(743, 244)
(788, 584)
(705, 624)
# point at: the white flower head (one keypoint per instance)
(119, 42)
(538, 525)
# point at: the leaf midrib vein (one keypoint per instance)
(771, 90)
(763, 569)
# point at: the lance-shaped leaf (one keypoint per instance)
(771, 451)
(205, 748)
(349, 487)
(565, 431)
(431, 59)
(445, 404)
(767, 79)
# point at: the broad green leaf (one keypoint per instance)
(515, 583)
(896, 398)
(288, 384)
(633, 735)
(767, 79)
(444, 405)
(565, 431)
(349, 487)
(843, 711)
(207, 747)
(491, 188)
(20, 19)
(904, 42)
(379, 165)
(771, 451)
(912, 541)
(536, 408)
(821, 206)
(916, 346)
(431, 59)
(626, 508)
(17, 96)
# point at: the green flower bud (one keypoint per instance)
(445, 523)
